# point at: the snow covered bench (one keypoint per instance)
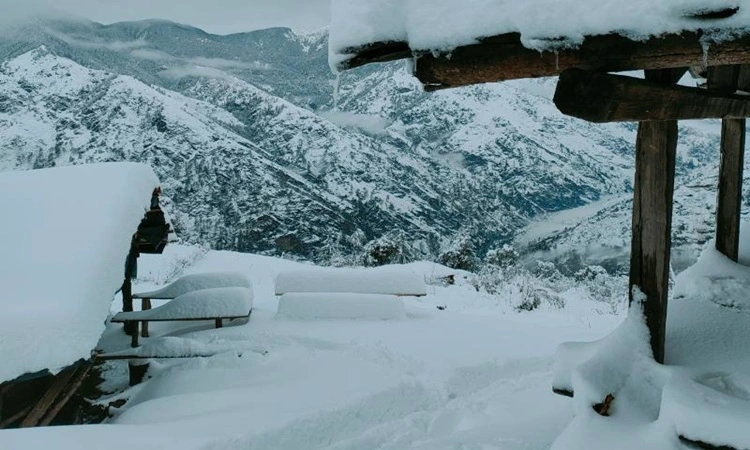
(206, 304)
(346, 293)
(190, 283)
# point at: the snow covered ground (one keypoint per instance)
(462, 370)
(475, 373)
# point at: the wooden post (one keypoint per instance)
(729, 197)
(656, 149)
(145, 305)
(219, 323)
(137, 370)
(127, 303)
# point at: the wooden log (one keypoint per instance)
(72, 388)
(46, 402)
(653, 191)
(504, 57)
(145, 304)
(599, 97)
(729, 199)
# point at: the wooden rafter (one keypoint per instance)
(504, 57)
(600, 97)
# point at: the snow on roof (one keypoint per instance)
(64, 240)
(446, 24)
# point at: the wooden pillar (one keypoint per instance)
(729, 196)
(656, 149)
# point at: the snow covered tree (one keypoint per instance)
(459, 254)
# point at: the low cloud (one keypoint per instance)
(177, 73)
(220, 63)
(365, 123)
(117, 46)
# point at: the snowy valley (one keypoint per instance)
(258, 153)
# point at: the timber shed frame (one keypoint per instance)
(587, 90)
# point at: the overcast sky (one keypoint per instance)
(215, 16)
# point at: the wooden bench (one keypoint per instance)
(190, 283)
(215, 304)
(346, 293)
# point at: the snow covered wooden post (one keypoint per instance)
(728, 79)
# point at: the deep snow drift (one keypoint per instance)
(64, 238)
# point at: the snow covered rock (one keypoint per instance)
(196, 282)
(340, 305)
(64, 240)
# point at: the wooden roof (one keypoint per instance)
(507, 56)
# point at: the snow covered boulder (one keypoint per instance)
(340, 305)
(64, 238)
(381, 280)
(197, 281)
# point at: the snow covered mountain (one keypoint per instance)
(259, 152)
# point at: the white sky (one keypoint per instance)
(214, 16)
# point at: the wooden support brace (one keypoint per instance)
(134, 336)
(656, 148)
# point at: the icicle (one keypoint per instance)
(336, 84)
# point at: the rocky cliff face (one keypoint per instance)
(262, 149)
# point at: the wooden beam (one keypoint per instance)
(729, 199)
(374, 53)
(505, 58)
(599, 97)
(653, 191)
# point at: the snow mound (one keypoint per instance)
(203, 304)
(340, 305)
(196, 282)
(64, 241)
(381, 280)
(709, 407)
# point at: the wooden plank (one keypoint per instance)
(45, 403)
(653, 191)
(729, 199)
(505, 58)
(71, 389)
(599, 97)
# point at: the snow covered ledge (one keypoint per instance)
(64, 244)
